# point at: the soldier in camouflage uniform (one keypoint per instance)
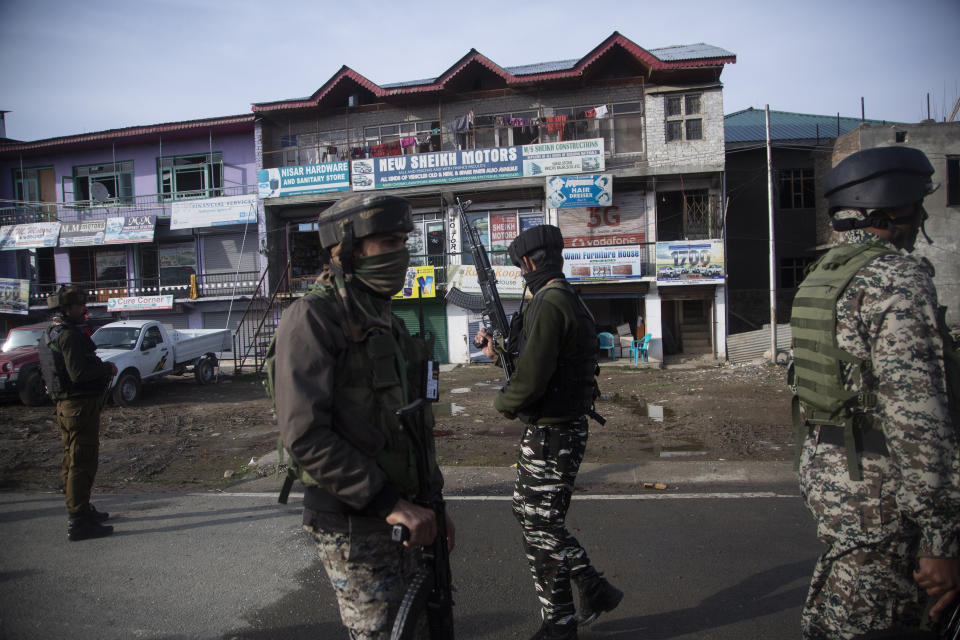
(879, 466)
(76, 380)
(344, 364)
(552, 390)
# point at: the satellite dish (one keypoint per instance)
(98, 192)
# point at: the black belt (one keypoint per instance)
(868, 440)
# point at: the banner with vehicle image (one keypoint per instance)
(14, 296)
(690, 262)
(420, 283)
(472, 165)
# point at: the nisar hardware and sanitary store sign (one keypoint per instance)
(580, 191)
(211, 212)
(472, 165)
(303, 179)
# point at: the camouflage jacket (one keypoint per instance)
(888, 317)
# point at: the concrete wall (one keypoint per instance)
(707, 153)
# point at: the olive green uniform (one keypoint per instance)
(78, 409)
(337, 386)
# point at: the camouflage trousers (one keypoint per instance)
(79, 421)
(550, 457)
(864, 581)
(369, 574)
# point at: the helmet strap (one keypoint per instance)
(346, 247)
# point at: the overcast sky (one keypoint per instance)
(75, 67)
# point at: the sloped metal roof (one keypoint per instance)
(690, 52)
(749, 125)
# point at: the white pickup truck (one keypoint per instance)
(145, 350)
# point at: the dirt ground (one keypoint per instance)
(187, 437)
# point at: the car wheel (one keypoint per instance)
(203, 370)
(33, 391)
(127, 390)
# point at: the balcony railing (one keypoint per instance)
(209, 285)
(154, 204)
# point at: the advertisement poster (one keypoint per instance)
(14, 296)
(29, 236)
(464, 277)
(121, 230)
(82, 234)
(471, 165)
(211, 212)
(503, 229)
(303, 179)
(140, 303)
(419, 283)
(624, 223)
(591, 190)
(617, 263)
(690, 262)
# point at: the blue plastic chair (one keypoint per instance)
(638, 348)
(605, 341)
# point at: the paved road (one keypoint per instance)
(707, 562)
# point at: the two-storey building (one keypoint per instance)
(155, 220)
(622, 148)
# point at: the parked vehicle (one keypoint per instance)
(20, 363)
(146, 351)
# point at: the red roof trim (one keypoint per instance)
(614, 40)
(130, 132)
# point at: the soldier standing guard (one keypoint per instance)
(344, 365)
(552, 391)
(878, 456)
(76, 379)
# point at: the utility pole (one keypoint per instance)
(773, 258)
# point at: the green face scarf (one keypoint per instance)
(383, 273)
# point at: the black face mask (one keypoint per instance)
(540, 276)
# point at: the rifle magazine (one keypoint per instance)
(413, 607)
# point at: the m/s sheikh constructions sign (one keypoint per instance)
(472, 165)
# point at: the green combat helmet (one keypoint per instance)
(358, 216)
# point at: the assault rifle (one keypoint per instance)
(430, 590)
(489, 305)
(949, 626)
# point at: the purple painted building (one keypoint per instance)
(164, 211)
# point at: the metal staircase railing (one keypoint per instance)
(259, 322)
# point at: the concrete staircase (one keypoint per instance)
(696, 335)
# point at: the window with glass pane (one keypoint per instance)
(796, 188)
(194, 176)
(111, 268)
(675, 130)
(177, 263)
(694, 129)
(109, 183)
(34, 184)
(628, 133)
(692, 106)
(674, 106)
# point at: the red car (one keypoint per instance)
(20, 364)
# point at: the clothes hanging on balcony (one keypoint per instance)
(460, 127)
(555, 124)
(601, 111)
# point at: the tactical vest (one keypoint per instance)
(377, 375)
(573, 386)
(52, 366)
(816, 372)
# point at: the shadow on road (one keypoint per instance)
(754, 597)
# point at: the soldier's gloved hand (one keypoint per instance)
(484, 341)
(939, 577)
(421, 522)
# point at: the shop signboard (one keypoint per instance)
(419, 283)
(624, 223)
(212, 212)
(303, 179)
(36, 235)
(690, 262)
(82, 234)
(591, 190)
(464, 278)
(140, 303)
(14, 296)
(472, 165)
(125, 229)
(598, 263)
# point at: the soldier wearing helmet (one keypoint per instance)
(344, 365)
(552, 390)
(877, 444)
(76, 379)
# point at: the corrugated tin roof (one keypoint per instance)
(749, 125)
(690, 52)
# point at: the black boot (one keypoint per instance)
(98, 516)
(550, 631)
(596, 595)
(84, 527)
